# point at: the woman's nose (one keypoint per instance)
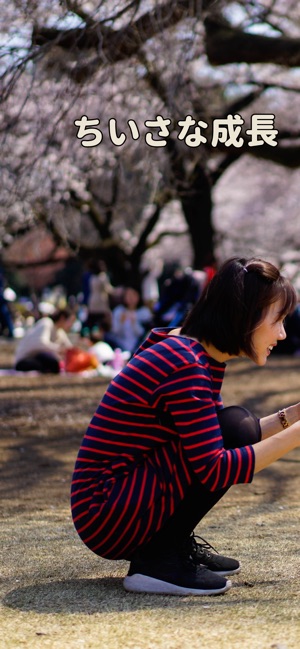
(282, 331)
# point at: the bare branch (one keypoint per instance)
(75, 8)
(166, 233)
(117, 45)
(287, 156)
(226, 44)
(142, 245)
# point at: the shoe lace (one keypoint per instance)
(204, 547)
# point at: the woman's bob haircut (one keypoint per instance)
(234, 303)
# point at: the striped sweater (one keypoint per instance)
(154, 429)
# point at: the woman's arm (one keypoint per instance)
(270, 449)
(118, 319)
(272, 425)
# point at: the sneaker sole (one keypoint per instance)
(142, 584)
(225, 573)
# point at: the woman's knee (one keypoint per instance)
(239, 427)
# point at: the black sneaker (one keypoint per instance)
(173, 575)
(202, 555)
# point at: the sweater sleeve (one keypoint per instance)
(63, 340)
(187, 395)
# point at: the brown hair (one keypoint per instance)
(65, 313)
(234, 302)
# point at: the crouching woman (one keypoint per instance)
(161, 450)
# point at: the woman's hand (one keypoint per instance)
(293, 413)
(269, 450)
(272, 424)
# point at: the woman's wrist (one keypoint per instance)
(292, 413)
(282, 416)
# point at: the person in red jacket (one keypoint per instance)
(161, 450)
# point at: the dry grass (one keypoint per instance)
(57, 594)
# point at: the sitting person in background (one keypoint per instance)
(179, 293)
(129, 322)
(44, 345)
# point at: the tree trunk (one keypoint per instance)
(194, 192)
(197, 208)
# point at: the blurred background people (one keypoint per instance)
(130, 321)
(179, 293)
(44, 345)
(96, 295)
(6, 320)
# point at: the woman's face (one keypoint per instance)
(268, 332)
(66, 323)
(131, 298)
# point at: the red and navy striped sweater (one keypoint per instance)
(154, 429)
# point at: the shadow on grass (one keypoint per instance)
(106, 595)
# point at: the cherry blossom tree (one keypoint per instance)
(150, 80)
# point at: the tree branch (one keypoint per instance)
(75, 8)
(117, 45)
(287, 156)
(166, 233)
(227, 44)
(141, 245)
